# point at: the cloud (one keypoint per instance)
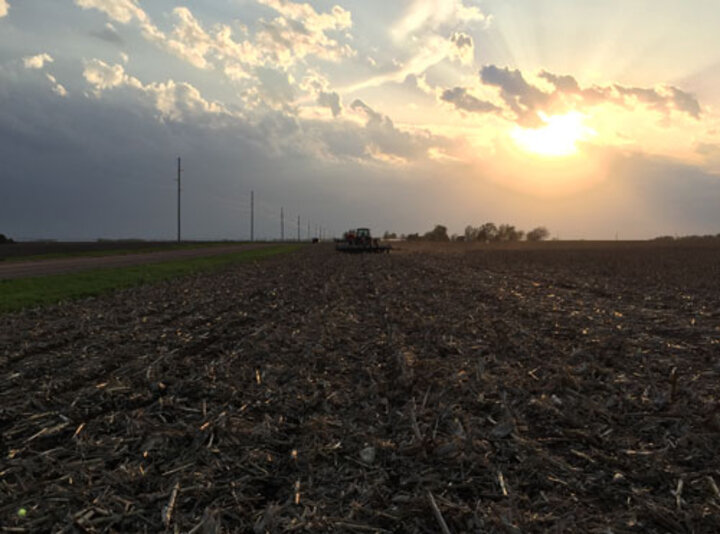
(526, 100)
(433, 50)
(275, 86)
(176, 101)
(190, 41)
(4, 8)
(337, 19)
(430, 15)
(521, 97)
(464, 49)
(108, 34)
(38, 61)
(383, 142)
(300, 32)
(566, 84)
(103, 76)
(372, 116)
(461, 99)
(57, 88)
(125, 12)
(663, 99)
(330, 100)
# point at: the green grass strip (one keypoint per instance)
(119, 251)
(38, 291)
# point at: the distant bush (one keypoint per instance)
(538, 234)
(485, 233)
(664, 239)
(685, 238)
(439, 233)
(5, 240)
(507, 232)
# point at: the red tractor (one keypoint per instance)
(360, 240)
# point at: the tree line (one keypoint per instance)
(485, 233)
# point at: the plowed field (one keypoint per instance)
(485, 391)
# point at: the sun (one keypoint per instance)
(557, 138)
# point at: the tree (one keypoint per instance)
(5, 240)
(471, 234)
(439, 233)
(538, 234)
(389, 235)
(487, 232)
(507, 232)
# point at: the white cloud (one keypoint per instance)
(122, 11)
(4, 7)
(38, 61)
(125, 11)
(57, 88)
(190, 41)
(103, 76)
(337, 19)
(176, 101)
(301, 31)
(431, 15)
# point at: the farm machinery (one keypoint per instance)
(360, 240)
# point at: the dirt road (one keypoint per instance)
(27, 269)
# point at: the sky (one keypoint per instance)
(593, 119)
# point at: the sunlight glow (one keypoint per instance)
(557, 138)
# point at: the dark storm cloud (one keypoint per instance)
(83, 168)
(460, 98)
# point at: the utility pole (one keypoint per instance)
(178, 201)
(252, 215)
(282, 224)
(308, 236)
(298, 227)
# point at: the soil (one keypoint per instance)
(33, 248)
(25, 269)
(464, 391)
